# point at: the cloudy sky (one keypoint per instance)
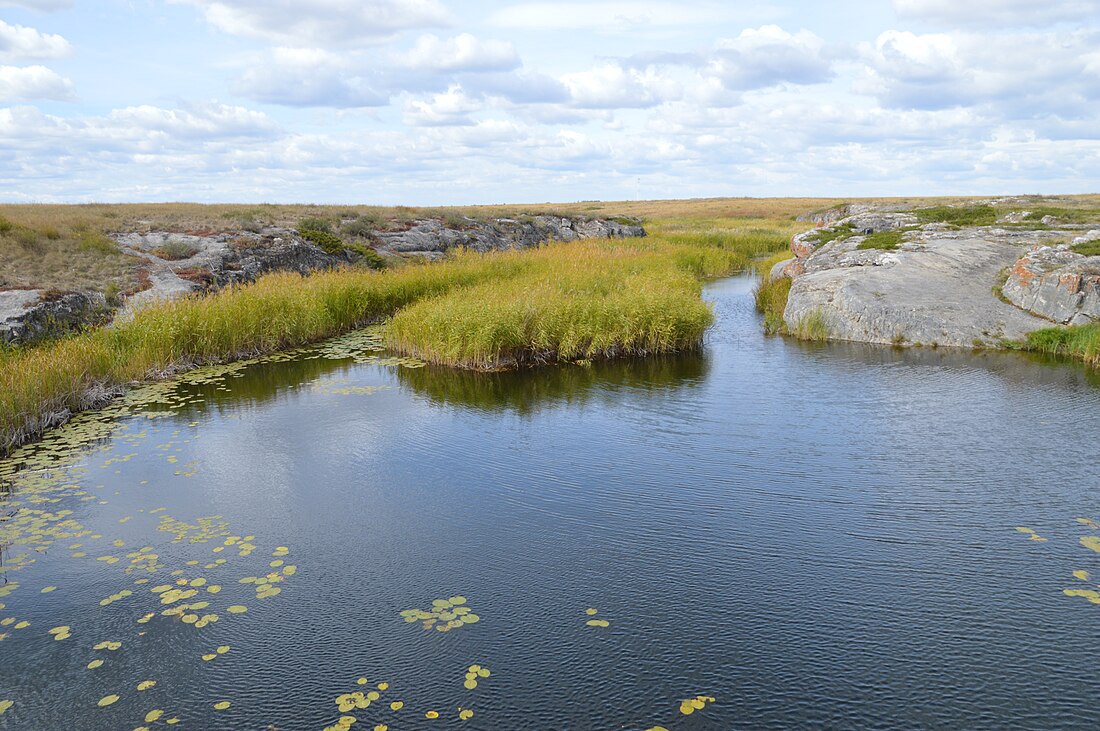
(429, 102)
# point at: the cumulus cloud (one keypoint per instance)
(608, 16)
(612, 86)
(767, 56)
(461, 53)
(321, 23)
(26, 83)
(450, 108)
(941, 70)
(987, 13)
(42, 5)
(300, 77)
(19, 42)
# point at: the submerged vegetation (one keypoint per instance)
(559, 303)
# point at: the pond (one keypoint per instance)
(790, 535)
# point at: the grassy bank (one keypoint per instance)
(1081, 342)
(559, 303)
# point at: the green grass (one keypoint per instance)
(884, 240)
(812, 326)
(958, 215)
(1089, 248)
(1064, 215)
(770, 297)
(828, 235)
(558, 303)
(1080, 341)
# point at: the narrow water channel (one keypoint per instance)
(815, 536)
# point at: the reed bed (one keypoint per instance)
(1081, 342)
(563, 302)
(577, 302)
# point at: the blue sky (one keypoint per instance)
(432, 102)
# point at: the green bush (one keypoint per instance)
(329, 242)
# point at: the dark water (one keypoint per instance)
(816, 536)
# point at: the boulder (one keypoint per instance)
(935, 288)
(1056, 283)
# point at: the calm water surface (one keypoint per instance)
(816, 536)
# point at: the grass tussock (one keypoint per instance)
(1081, 342)
(771, 296)
(578, 302)
(813, 326)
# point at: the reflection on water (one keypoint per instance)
(766, 535)
(525, 393)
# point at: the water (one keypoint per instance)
(816, 536)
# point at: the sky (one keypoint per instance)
(435, 102)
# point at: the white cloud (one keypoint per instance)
(769, 55)
(1058, 73)
(321, 23)
(42, 5)
(461, 53)
(449, 108)
(993, 13)
(26, 83)
(301, 77)
(608, 16)
(612, 86)
(203, 121)
(19, 42)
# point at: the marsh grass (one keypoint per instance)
(813, 326)
(1081, 342)
(559, 303)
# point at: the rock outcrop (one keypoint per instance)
(177, 264)
(431, 238)
(1055, 283)
(27, 315)
(935, 284)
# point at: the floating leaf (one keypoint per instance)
(1091, 542)
(598, 623)
(237, 609)
(1081, 574)
(590, 611)
(107, 700)
(222, 705)
(5, 705)
(153, 715)
(397, 705)
(146, 684)
(94, 664)
(431, 715)
(465, 714)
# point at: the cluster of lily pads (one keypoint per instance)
(595, 622)
(444, 616)
(474, 672)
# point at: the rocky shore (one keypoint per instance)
(175, 264)
(895, 277)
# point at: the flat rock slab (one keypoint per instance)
(934, 290)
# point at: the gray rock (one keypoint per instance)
(1056, 283)
(30, 315)
(936, 288)
(220, 259)
(430, 238)
(779, 269)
